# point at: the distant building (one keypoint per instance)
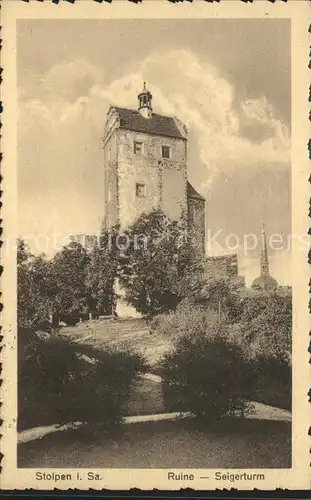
(264, 282)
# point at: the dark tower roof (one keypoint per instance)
(192, 193)
(131, 119)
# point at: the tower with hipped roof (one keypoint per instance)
(145, 158)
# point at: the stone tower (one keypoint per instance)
(145, 166)
(145, 157)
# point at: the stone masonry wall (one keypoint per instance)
(222, 266)
(165, 180)
(111, 181)
(196, 225)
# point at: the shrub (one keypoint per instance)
(269, 334)
(204, 373)
(216, 365)
(272, 382)
(265, 336)
(57, 383)
(220, 295)
(189, 318)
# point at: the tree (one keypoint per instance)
(69, 269)
(50, 286)
(156, 263)
(102, 273)
(33, 288)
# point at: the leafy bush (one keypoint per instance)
(189, 318)
(220, 295)
(272, 382)
(268, 334)
(204, 373)
(57, 383)
(213, 355)
(265, 335)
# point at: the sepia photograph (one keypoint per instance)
(153, 247)
(147, 287)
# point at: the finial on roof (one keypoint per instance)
(145, 101)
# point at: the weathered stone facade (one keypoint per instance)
(146, 168)
(164, 181)
(225, 266)
(111, 171)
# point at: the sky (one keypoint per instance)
(227, 80)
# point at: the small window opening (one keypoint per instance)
(141, 190)
(166, 152)
(138, 148)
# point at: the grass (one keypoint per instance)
(132, 333)
(146, 398)
(229, 443)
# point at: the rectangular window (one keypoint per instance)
(138, 148)
(141, 190)
(166, 151)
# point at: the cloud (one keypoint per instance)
(64, 81)
(205, 101)
(61, 122)
(191, 90)
(257, 115)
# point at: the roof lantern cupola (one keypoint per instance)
(145, 102)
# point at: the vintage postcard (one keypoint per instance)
(155, 245)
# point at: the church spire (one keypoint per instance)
(264, 261)
(145, 102)
(265, 282)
